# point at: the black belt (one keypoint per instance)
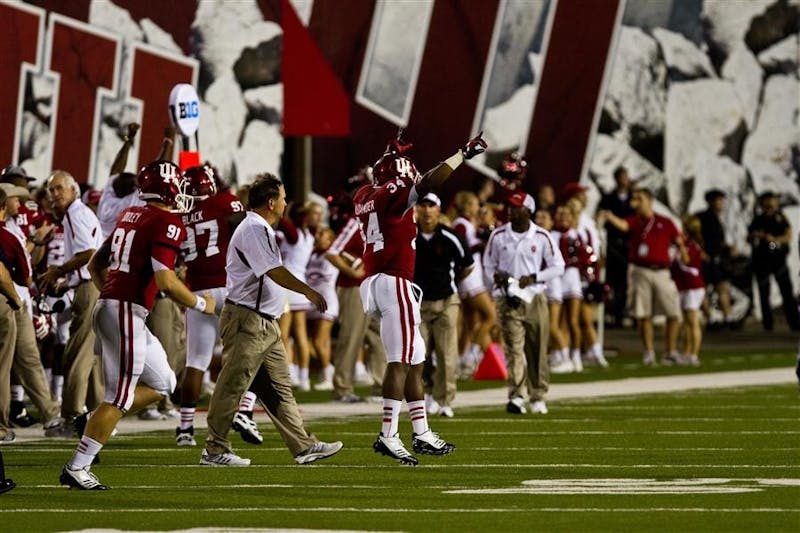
(259, 313)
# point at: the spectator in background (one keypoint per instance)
(560, 362)
(652, 289)
(322, 276)
(618, 202)
(521, 258)
(442, 261)
(717, 250)
(770, 233)
(546, 198)
(691, 288)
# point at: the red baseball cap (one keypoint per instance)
(571, 189)
(522, 199)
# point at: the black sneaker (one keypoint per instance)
(6, 485)
(80, 479)
(429, 443)
(393, 447)
(19, 416)
(516, 406)
(79, 423)
(185, 437)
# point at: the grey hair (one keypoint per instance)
(70, 181)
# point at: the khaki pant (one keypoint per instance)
(652, 292)
(165, 321)
(83, 376)
(356, 327)
(250, 343)
(28, 367)
(525, 333)
(8, 337)
(440, 322)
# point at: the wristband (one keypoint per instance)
(200, 304)
(454, 160)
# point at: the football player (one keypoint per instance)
(134, 262)
(209, 226)
(385, 212)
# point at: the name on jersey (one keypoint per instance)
(131, 217)
(365, 208)
(191, 218)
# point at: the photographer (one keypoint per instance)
(521, 258)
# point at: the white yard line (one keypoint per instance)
(395, 510)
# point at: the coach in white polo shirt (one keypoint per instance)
(251, 338)
(82, 236)
(520, 258)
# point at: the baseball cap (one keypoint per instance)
(571, 189)
(432, 198)
(522, 199)
(14, 170)
(15, 190)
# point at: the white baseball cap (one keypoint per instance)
(432, 198)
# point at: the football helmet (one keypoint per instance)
(200, 182)
(163, 181)
(514, 167)
(393, 164)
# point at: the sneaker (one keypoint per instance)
(649, 359)
(673, 359)
(6, 485)
(693, 360)
(538, 407)
(80, 479)
(577, 362)
(319, 450)
(362, 379)
(150, 414)
(66, 430)
(563, 367)
(185, 437)
(9, 437)
(393, 447)
(247, 428)
(350, 398)
(171, 414)
(429, 443)
(375, 399)
(600, 359)
(446, 411)
(223, 459)
(516, 406)
(432, 407)
(79, 424)
(324, 385)
(18, 415)
(53, 422)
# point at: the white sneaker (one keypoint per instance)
(324, 385)
(601, 360)
(577, 362)
(431, 444)
(185, 437)
(431, 406)
(516, 406)
(171, 414)
(319, 450)
(563, 367)
(304, 385)
(446, 411)
(247, 428)
(538, 407)
(362, 379)
(393, 447)
(673, 359)
(692, 360)
(223, 459)
(649, 359)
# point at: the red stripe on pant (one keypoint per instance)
(410, 320)
(398, 291)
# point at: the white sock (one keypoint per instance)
(576, 354)
(187, 416)
(303, 375)
(327, 373)
(17, 393)
(87, 450)
(58, 387)
(391, 415)
(419, 417)
(597, 350)
(294, 371)
(565, 354)
(248, 401)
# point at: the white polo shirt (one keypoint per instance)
(81, 232)
(110, 206)
(253, 251)
(23, 292)
(522, 254)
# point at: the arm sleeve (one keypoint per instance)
(263, 254)
(85, 232)
(166, 240)
(490, 263)
(553, 260)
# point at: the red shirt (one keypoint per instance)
(351, 242)
(207, 235)
(650, 241)
(13, 256)
(142, 234)
(689, 276)
(29, 217)
(386, 215)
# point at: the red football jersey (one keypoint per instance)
(689, 276)
(29, 217)
(388, 227)
(142, 234)
(207, 235)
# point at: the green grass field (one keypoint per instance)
(724, 460)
